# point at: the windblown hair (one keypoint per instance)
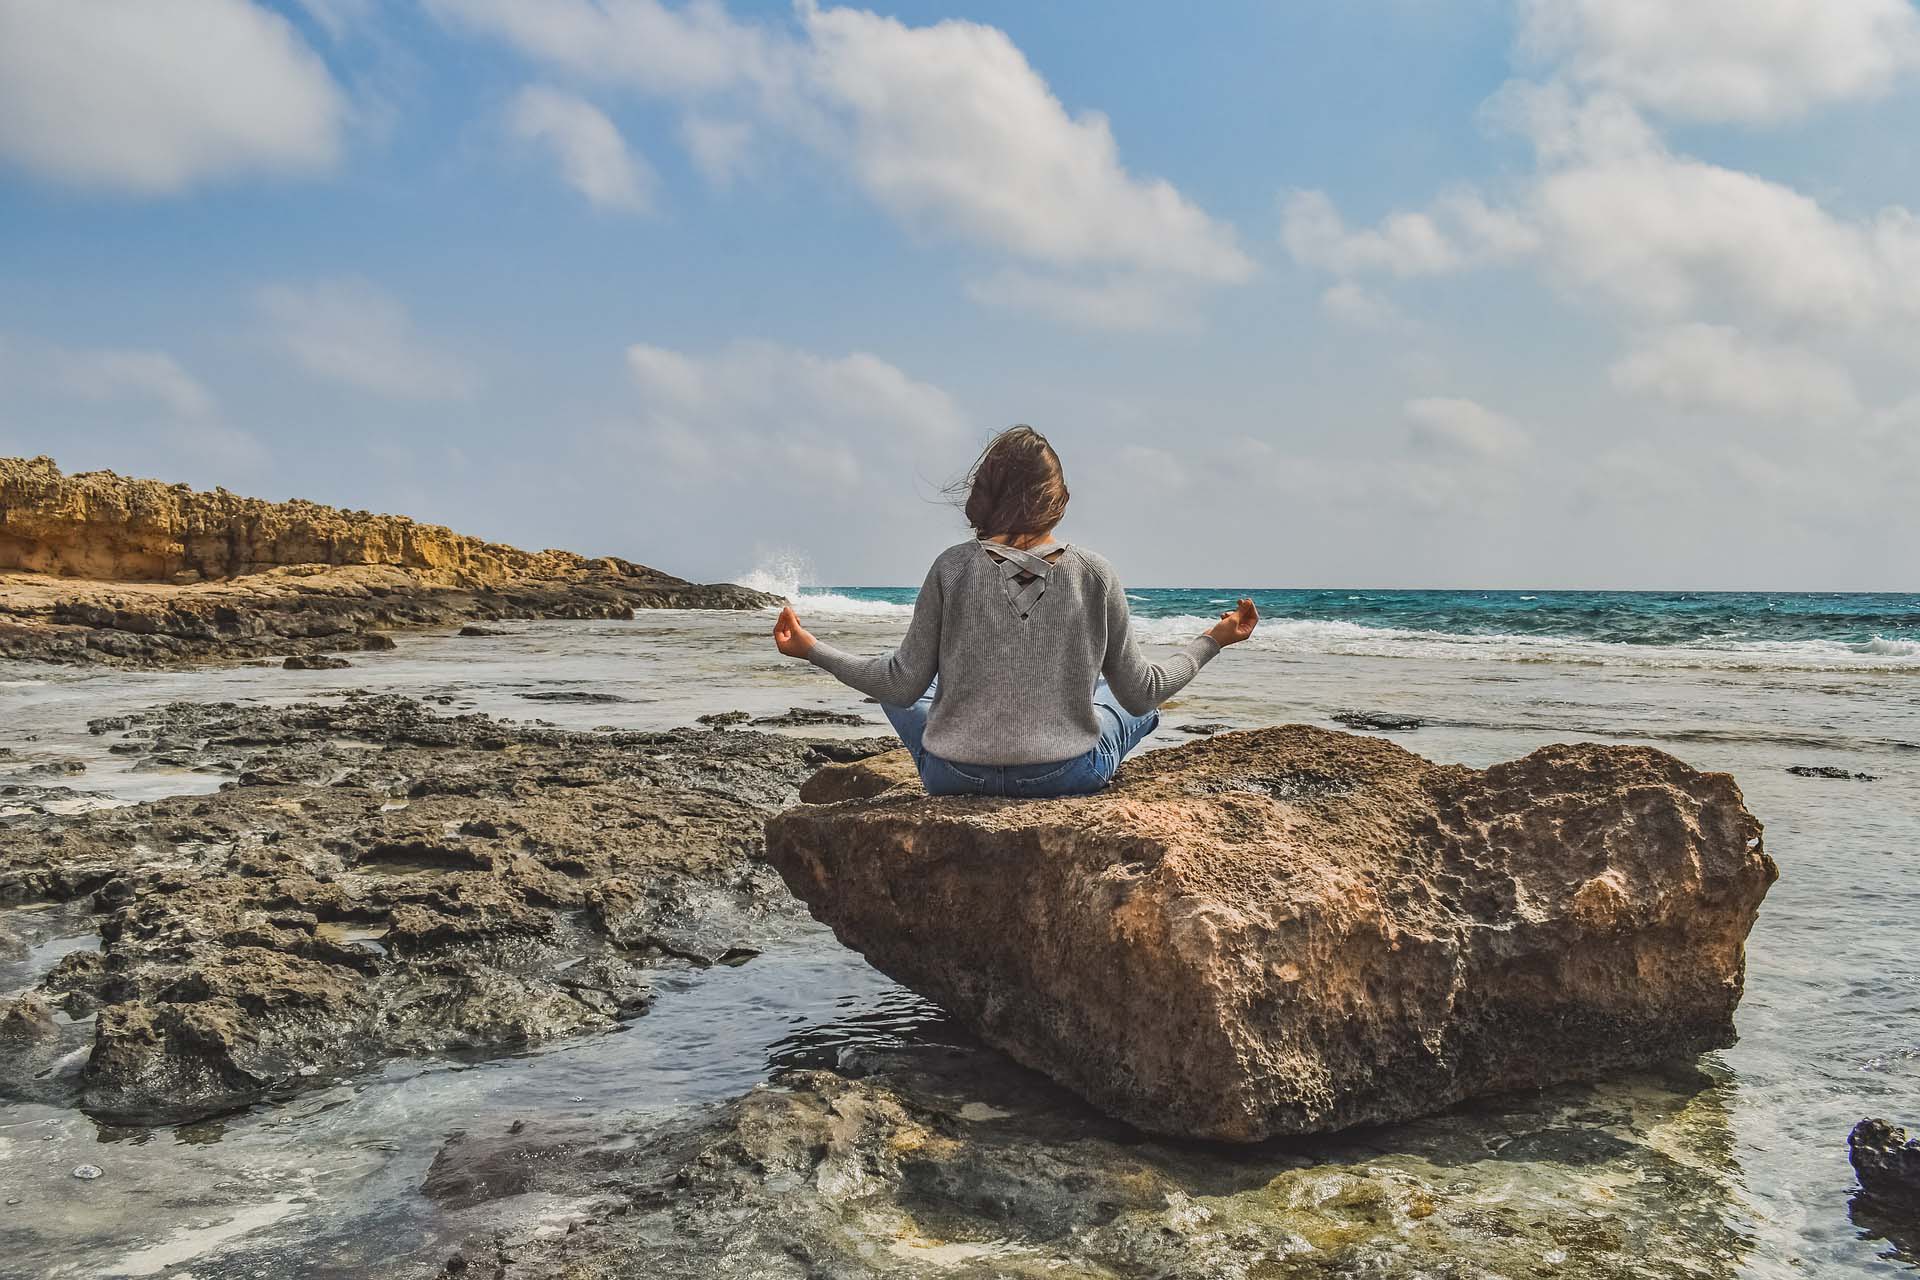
(1016, 487)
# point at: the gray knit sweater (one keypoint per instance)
(1017, 690)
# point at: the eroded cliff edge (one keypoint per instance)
(98, 567)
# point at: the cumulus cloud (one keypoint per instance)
(157, 96)
(1614, 212)
(1715, 368)
(1725, 60)
(946, 127)
(349, 332)
(592, 155)
(1447, 425)
(1461, 231)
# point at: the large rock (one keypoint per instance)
(1886, 1159)
(1295, 930)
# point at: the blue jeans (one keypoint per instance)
(1120, 732)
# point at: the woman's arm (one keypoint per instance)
(1140, 685)
(897, 679)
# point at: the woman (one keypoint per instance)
(998, 688)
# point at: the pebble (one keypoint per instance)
(87, 1172)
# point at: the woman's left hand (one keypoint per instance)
(793, 639)
(1235, 625)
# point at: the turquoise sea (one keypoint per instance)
(1687, 628)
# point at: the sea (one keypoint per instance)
(1756, 684)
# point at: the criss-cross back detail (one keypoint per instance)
(1023, 573)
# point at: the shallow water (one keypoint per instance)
(328, 1182)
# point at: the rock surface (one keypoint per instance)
(1886, 1159)
(1294, 930)
(949, 1161)
(97, 567)
(385, 881)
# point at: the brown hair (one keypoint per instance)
(1016, 487)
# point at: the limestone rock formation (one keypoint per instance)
(100, 568)
(100, 525)
(1294, 930)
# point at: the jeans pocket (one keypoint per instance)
(941, 778)
(1080, 776)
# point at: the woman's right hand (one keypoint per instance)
(1235, 625)
(792, 639)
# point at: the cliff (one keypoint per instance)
(100, 525)
(98, 567)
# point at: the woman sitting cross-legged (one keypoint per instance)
(1019, 674)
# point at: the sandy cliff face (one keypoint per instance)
(99, 568)
(101, 525)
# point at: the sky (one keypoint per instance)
(1373, 293)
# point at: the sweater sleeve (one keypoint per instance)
(899, 678)
(1138, 684)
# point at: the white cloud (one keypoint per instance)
(815, 447)
(1357, 307)
(1447, 425)
(1614, 212)
(106, 376)
(1462, 231)
(151, 376)
(349, 332)
(1121, 304)
(1713, 367)
(696, 48)
(153, 97)
(592, 155)
(946, 127)
(1722, 60)
(720, 148)
(757, 401)
(951, 129)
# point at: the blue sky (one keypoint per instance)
(1522, 293)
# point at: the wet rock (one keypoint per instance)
(1829, 771)
(1384, 721)
(57, 768)
(26, 1020)
(87, 1172)
(1204, 728)
(803, 717)
(573, 695)
(1886, 1159)
(722, 719)
(470, 1169)
(1293, 930)
(478, 632)
(12, 946)
(307, 922)
(315, 662)
(953, 1162)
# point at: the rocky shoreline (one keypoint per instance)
(96, 568)
(381, 881)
